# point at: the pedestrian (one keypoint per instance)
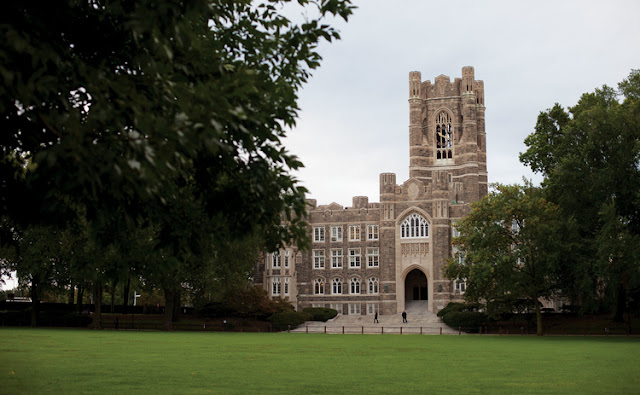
(375, 318)
(404, 316)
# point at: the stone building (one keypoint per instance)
(381, 256)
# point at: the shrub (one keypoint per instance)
(215, 309)
(464, 319)
(452, 306)
(293, 318)
(321, 313)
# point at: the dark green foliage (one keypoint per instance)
(465, 319)
(215, 309)
(589, 158)
(456, 306)
(292, 318)
(321, 313)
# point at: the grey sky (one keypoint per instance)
(354, 119)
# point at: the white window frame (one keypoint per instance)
(336, 286)
(318, 234)
(373, 257)
(318, 259)
(287, 255)
(286, 285)
(373, 232)
(460, 286)
(354, 258)
(336, 233)
(318, 286)
(276, 260)
(276, 286)
(373, 286)
(337, 258)
(354, 309)
(354, 232)
(415, 226)
(372, 308)
(337, 307)
(354, 286)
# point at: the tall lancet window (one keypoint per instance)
(444, 136)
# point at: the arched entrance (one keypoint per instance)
(415, 286)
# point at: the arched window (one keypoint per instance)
(355, 286)
(318, 286)
(373, 285)
(336, 286)
(444, 136)
(413, 227)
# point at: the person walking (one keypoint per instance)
(375, 318)
(404, 316)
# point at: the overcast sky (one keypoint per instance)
(355, 114)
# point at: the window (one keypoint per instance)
(336, 258)
(461, 286)
(286, 286)
(515, 226)
(444, 136)
(318, 259)
(354, 232)
(455, 232)
(413, 227)
(372, 232)
(318, 286)
(354, 308)
(336, 306)
(336, 286)
(275, 286)
(373, 257)
(372, 308)
(286, 258)
(354, 258)
(275, 259)
(373, 286)
(336, 233)
(355, 286)
(318, 234)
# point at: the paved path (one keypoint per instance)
(420, 321)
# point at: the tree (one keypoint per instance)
(512, 243)
(589, 159)
(141, 111)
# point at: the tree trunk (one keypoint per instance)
(621, 302)
(169, 297)
(97, 300)
(538, 318)
(125, 294)
(80, 296)
(176, 306)
(113, 296)
(71, 295)
(35, 303)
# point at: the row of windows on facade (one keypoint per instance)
(373, 233)
(279, 259)
(338, 287)
(354, 308)
(353, 256)
(414, 226)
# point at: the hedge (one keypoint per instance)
(292, 318)
(321, 313)
(464, 319)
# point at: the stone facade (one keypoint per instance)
(378, 256)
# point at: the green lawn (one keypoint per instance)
(81, 361)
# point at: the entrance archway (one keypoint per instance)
(416, 286)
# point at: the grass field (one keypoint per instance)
(84, 361)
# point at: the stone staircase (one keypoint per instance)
(420, 321)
